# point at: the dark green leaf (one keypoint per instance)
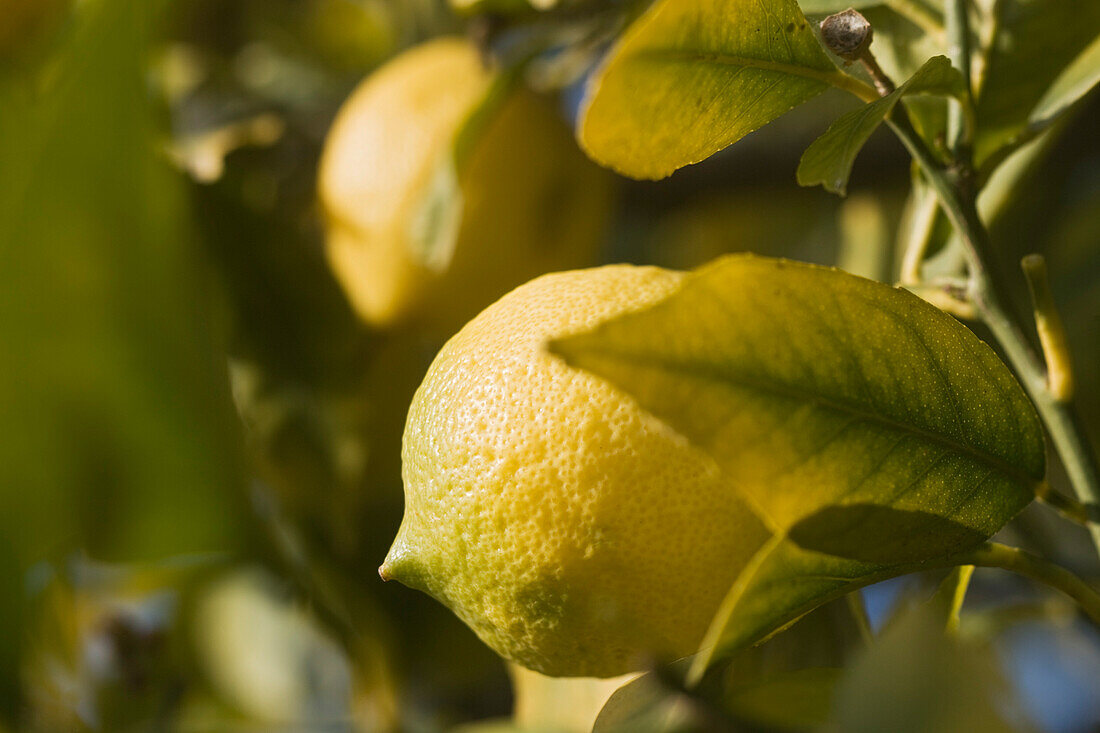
(741, 693)
(1077, 80)
(646, 706)
(881, 534)
(1032, 42)
(798, 700)
(829, 160)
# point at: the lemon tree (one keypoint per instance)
(658, 494)
(444, 185)
(601, 442)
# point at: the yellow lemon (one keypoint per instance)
(405, 240)
(574, 532)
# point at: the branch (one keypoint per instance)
(994, 555)
(960, 120)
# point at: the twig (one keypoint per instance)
(951, 594)
(960, 119)
(994, 555)
(921, 223)
(1067, 506)
(1052, 334)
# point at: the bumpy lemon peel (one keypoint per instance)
(575, 533)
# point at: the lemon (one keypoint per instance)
(574, 532)
(527, 200)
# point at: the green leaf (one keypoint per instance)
(828, 161)
(749, 689)
(1077, 80)
(856, 419)
(112, 368)
(1032, 42)
(118, 374)
(646, 706)
(783, 582)
(797, 700)
(902, 44)
(825, 637)
(691, 77)
(119, 435)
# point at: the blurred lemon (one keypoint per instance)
(410, 233)
(556, 704)
(575, 533)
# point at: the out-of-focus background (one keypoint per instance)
(200, 438)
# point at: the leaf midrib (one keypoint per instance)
(1019, 476)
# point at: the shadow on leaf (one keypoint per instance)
(881, 534)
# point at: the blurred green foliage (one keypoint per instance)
(118, 435)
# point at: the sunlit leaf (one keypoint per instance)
(691, 77)
(873, 433)
(829, 160)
